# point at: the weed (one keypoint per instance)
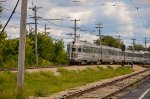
(110, 67)
(100, 68)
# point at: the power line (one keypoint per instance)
(12, 26)
(133, 4)
(3, 1)
(10, 16)
(9, 9)
(140, 17)
(48, 20)
(56, 24)
(137, 8)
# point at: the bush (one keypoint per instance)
(44, 62)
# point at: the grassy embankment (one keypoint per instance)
(46, 83)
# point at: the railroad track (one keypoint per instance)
(111, 90)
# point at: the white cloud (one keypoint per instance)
(120, 18)
(120, 15)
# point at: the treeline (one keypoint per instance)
(50, 51)
(109, 41)
(113, 42)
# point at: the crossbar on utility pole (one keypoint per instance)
(75, 28)
(22, 42)
(99, 26)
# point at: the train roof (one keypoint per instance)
(87, 44)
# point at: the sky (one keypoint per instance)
(128, 18)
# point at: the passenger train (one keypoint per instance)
(85, 53)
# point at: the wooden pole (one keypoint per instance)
(22, 42)
(36, 46)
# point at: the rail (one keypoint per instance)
(81, 92)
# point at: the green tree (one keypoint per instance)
(45, 47)
(1, 9)
(109, 41)
(2, 38)
(49, 50)
(29, 52)
(137, 47)
(10, 52)
(60, 54)
(148, 49)
(2, 35)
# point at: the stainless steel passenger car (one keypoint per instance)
(147, 57)
(84, 52)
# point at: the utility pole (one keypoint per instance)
(51, 20)
(35, 8)
(119, 39)
(133, 43)
(46, 29)
(133, 51)
(145, 42)
(99, 26)
(21, 55)
(75, 28)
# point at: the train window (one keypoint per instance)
(98, 50)
(87, 50)
(83, 50)
(79, 49)
(111, 52)
(73, 49)
(105, 51)
(130, 54)
(91, 50)
(120, 53)
(95, 50)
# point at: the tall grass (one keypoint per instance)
(46, 83)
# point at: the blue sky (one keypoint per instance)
(119, 17)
